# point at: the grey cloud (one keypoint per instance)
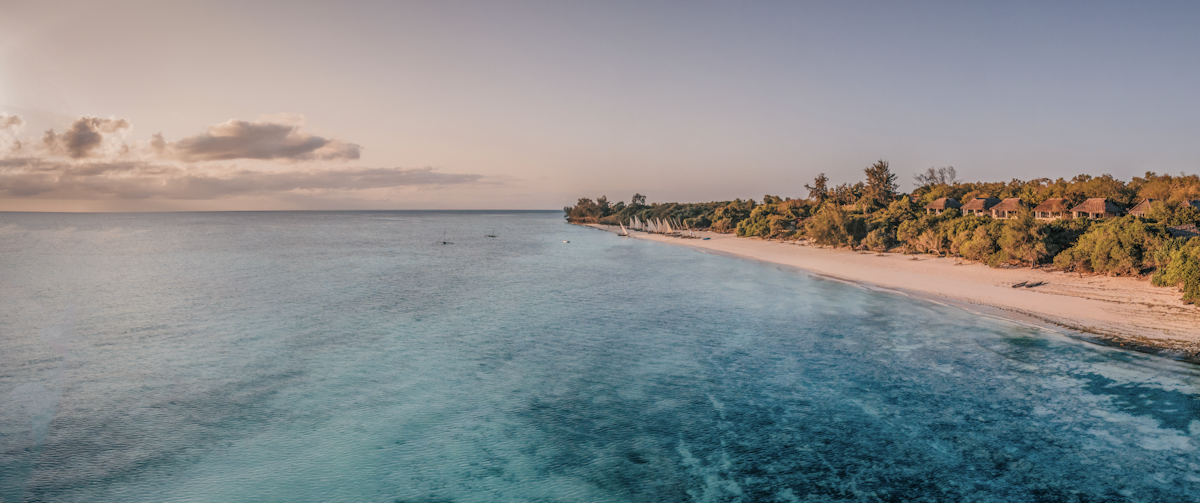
(9, 126)
(85, 136)
(32, 178)
(12, 122)
(90, 161)
(238, 139)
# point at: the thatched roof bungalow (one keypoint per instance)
(979, 205)
(942, 204)
(1142, 208)
(1052, 209)
(1008, 208)
(1096, 207)
(1184, 231)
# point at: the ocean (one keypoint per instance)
(344, 356)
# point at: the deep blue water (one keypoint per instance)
(345, 357)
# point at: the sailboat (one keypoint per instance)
(624, 231)
(443, 241)
(492, 235)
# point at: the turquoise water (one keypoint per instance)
(344, 357)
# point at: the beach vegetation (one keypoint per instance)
(1022, 242)
(878, 240)
(932, 177)
(819, 190)
(1179, 261)
(1123, 246)
(872, 213)
(880, 188)
(834, 226)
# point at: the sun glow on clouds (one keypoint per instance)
(92, 161)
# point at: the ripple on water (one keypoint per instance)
(342, 357)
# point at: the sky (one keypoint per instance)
(175, 106)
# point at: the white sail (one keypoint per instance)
(668, 227)
(623, 231)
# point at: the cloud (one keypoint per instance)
(10, 125)
(11, 122)
(238, 139)
(88, 137)
(35, 178)
(91, 161)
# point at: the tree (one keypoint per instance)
(819, 190)
(878, 240)
(1023, 241)
(846, 193)
(1123, 246)
(881, 184)
(833, 226)
(1180, 266)
(937, 176)
(638, 200)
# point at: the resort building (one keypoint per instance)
(1096, 207)
(979, 206)
(1142, 208)
(1052, 209)
(1184, 231)
(942, 204)
(1008, 208)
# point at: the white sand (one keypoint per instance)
(1121, 310)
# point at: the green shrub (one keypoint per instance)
(878, 240)
(1022, 240)
(833, 226)
(1119, 247)
(1179, 263)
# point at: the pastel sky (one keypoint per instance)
(158, 105)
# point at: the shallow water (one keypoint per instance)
(345, 357)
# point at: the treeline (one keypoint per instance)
(871, 214)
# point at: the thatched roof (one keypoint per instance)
(1053, 205)
(943, 203)
(1143, 207)
(1098, 205)
(981, 203)
(1184, 231)
(1009, 204)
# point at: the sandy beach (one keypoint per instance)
(1118, 311)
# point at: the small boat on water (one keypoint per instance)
(444, 241)
(492, 235)
(624, 231)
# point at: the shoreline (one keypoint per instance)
(1121, 312)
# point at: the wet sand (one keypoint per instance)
(1117, 311)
